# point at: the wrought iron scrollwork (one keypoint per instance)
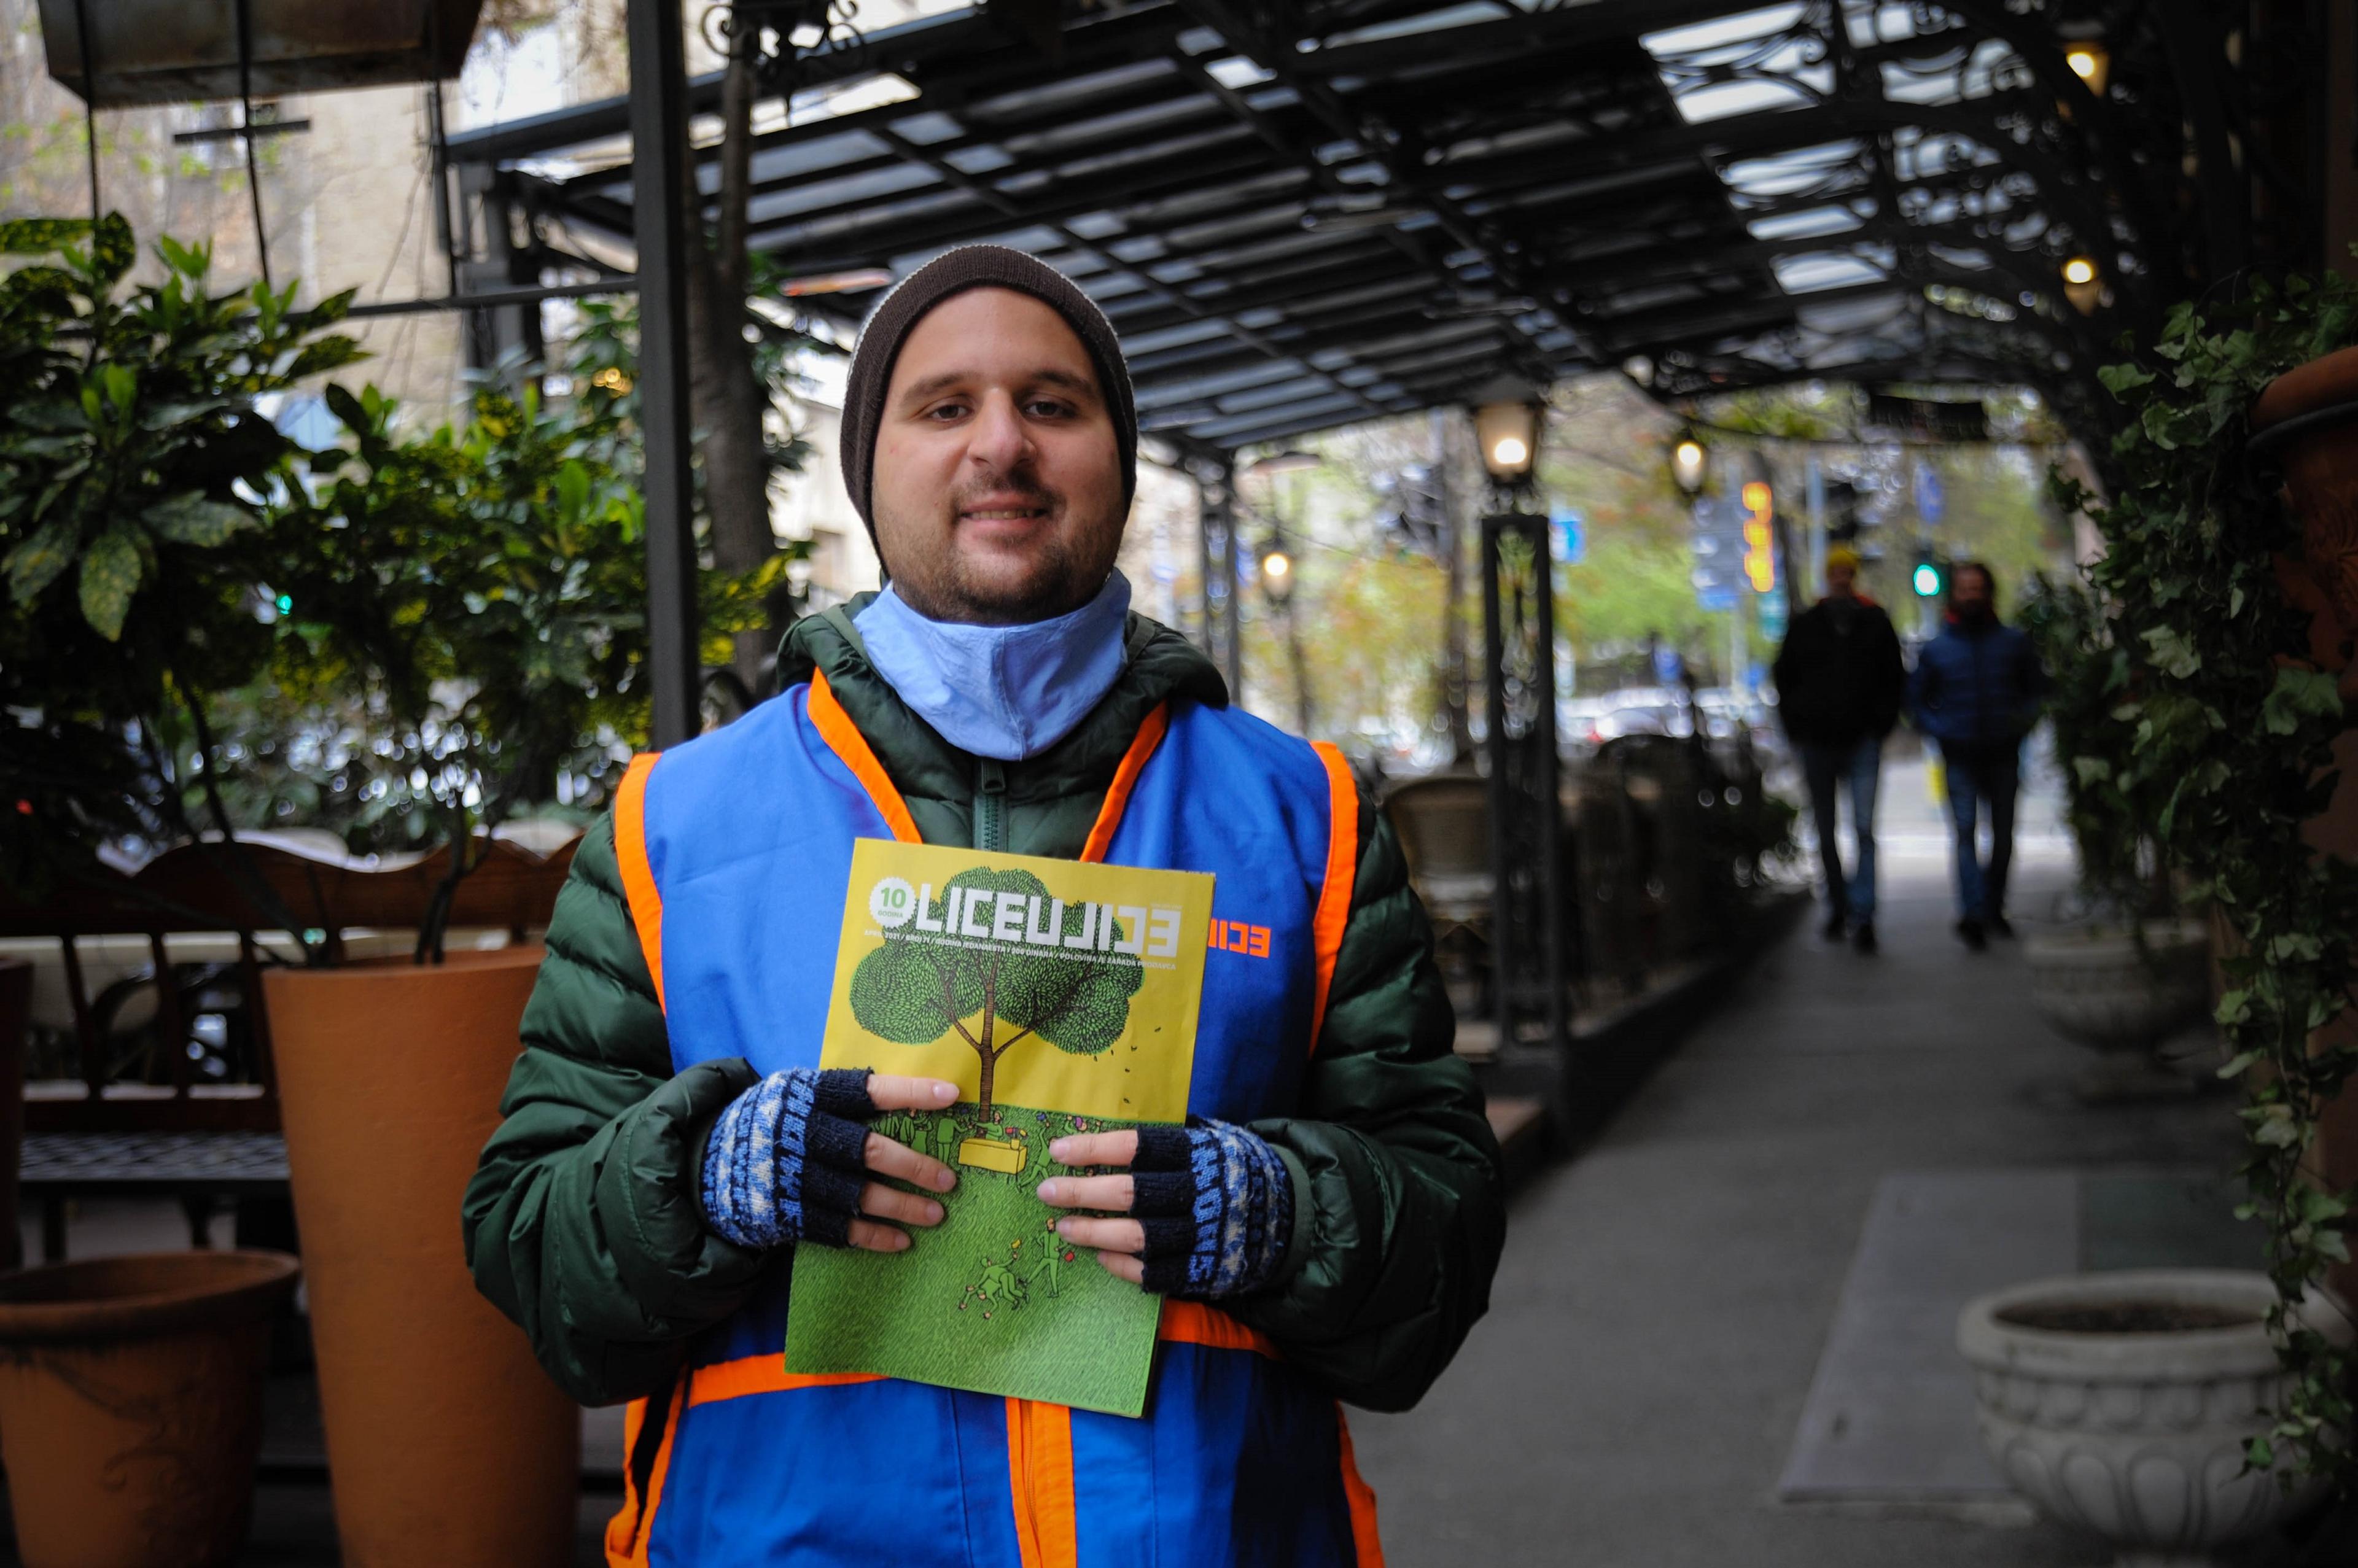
(781, 34)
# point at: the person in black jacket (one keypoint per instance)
(1840, 682)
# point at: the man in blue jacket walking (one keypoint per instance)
(1976, 691)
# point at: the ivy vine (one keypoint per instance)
(2216, 741)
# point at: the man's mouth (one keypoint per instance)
(1006, 508)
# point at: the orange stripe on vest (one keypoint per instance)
(638, 876)
(1183, 1322)
(1364, 1541)
(844, 738)
(1125, 779)
(1194, 1322)
(628, 1531)
(764, 1375)
(1039, 1473)
(1342, 872)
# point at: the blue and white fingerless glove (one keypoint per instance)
(786, 1162)
(1216, 1206)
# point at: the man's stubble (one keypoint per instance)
(1063, 571)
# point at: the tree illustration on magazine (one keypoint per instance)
(996, 961)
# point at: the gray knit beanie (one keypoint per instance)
(953, 272)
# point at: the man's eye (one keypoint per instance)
(946, 411)
(1048, 408)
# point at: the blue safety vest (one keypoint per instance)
(726, 844)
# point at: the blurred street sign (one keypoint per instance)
(1773, 610)
(1759, 541)
(1715, 541)
(1932, 498)
(1571, 535)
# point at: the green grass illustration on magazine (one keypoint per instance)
(1062, 998)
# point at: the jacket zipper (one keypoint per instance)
(989, 803)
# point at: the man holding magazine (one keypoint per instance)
(1323, 1228)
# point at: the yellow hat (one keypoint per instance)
(1843, 556)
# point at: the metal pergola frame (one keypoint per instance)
(1311, 213)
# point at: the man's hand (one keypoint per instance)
(888, 1158)
(791, 1161)
(1213, 1207)
(1120, 1243)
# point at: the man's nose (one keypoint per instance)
(999, 442)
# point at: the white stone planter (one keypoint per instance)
(2095, 986)
(2138, 1437)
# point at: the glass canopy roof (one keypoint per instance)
(1309, 214)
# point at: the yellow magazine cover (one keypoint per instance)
(1060, 996)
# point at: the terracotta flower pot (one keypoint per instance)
(131, 1405)
(2305, 430)
(2302, 430)
(447, 1442)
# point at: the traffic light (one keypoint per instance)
(1760, 539)
(1929, 579)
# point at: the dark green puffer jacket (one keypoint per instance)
(582, 1221)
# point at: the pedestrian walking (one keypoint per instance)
(1976, 692)
(1840, 683)
(1324, 1228)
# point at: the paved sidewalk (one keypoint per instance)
(1631, 1398)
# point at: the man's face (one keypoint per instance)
(1969, 593)
(1842, 579)
(998, 482)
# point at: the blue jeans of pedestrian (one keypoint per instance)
(1826, 768)
(1983, 777)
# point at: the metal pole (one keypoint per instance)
(1518, 647)
(245, 123)
(88, 110)
(658, 215)
(1817, 500)
(1735, 660)
(1454, 698)
(1211, 484)
(1223, 628)
(1232, 614)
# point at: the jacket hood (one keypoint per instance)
(1162, 665)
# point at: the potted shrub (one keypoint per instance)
(472, 598)
(133, 467)
(478, 592)
(135, 471)
(473, 593)
(2129, 971)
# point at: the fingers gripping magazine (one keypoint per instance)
(1061, 997)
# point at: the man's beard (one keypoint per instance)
(1049, 585)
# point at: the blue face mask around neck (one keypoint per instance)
(1005, 692)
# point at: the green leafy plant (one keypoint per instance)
(408, 638)
(137, 471)
(921, 982)
(2110, 799)
(2221, 729)
(477, 597)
